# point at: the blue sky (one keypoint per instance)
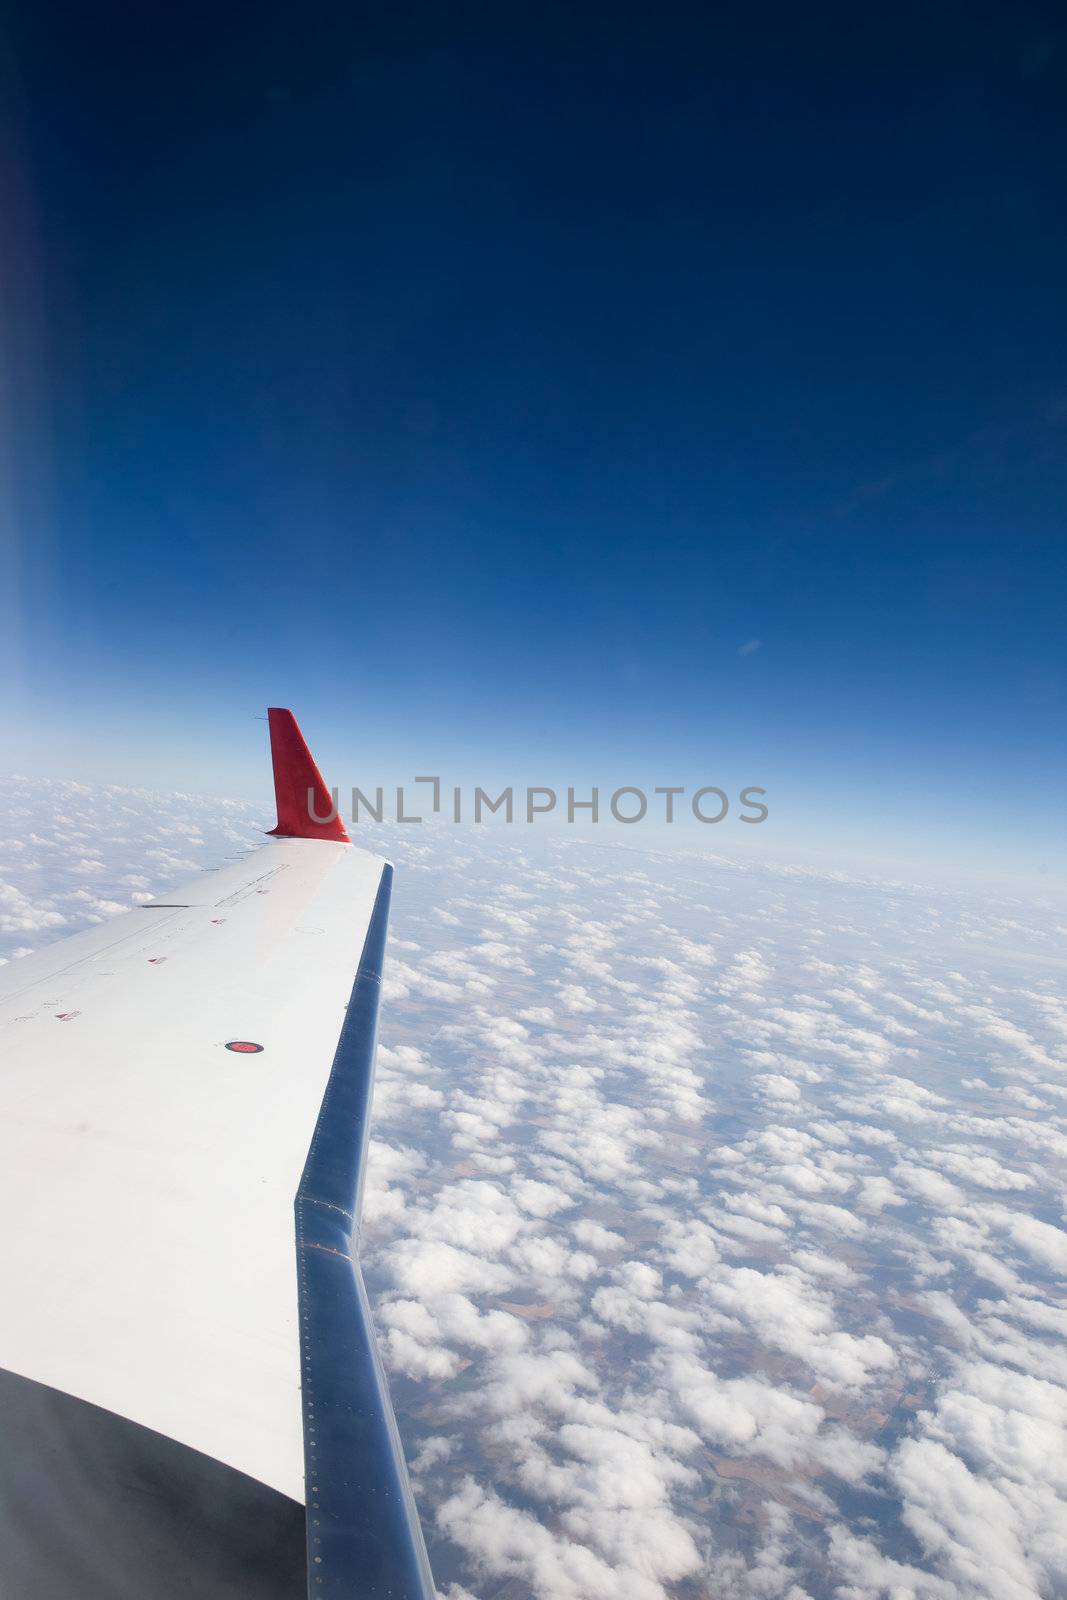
(481, 386)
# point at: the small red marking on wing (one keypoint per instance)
(244, 1047)
(156, 961)
(65, 1016)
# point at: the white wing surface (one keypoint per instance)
(184, 1095)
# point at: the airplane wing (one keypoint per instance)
(191, 1399)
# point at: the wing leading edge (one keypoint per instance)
(190, 1386)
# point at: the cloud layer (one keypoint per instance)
(715, 1222)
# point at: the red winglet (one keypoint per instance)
(298, 787)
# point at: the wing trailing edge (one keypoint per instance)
(352, 1446)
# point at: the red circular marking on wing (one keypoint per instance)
(244, 1047)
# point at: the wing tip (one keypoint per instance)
(301, 795)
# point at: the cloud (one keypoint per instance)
(506, 1542)
(962, 1521)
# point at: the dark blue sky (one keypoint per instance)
(481, 382)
